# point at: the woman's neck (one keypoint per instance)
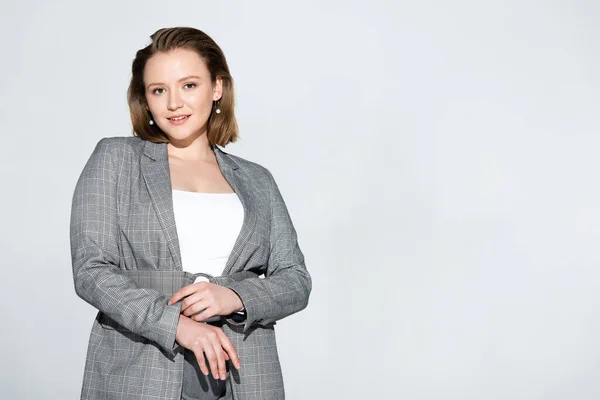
(196, 150)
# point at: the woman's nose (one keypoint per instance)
(174, 101)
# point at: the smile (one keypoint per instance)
(179, 119)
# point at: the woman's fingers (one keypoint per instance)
(180, 294)
(221, 372)
(199, 353)
(220, 300)
(205, 314)
(195, 307)
(211, 347)
(186, 291)
(211, 357)
(228, 347)
(190, 300)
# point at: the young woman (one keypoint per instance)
(188, 252)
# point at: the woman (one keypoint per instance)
(169, 235)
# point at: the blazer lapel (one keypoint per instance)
(242, 186)
(155, 170)
(156, 173)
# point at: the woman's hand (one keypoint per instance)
(206, 297)
(210, 341)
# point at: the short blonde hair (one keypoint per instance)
(222, 127)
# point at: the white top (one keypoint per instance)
(208, 225)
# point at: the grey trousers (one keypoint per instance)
(197, 386)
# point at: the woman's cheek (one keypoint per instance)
(193, 100)
(154, 106)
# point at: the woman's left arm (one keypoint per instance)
(287, 284)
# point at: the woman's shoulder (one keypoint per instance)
(113, 153)
(126, 144)
(251, 168)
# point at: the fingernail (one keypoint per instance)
(223, 376)
(169, 303)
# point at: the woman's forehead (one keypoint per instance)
(174, 65)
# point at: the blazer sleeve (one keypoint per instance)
(287, 284)
(94, 236)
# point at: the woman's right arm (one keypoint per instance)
(95, 258)
(95, 254)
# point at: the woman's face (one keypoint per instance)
(180, 93)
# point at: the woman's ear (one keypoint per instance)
(218, 89)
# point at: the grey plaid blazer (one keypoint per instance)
(127, 263)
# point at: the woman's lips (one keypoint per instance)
(179, 120)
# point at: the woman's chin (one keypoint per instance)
(182, 136)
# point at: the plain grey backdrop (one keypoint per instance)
(439, 160)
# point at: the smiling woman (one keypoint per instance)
(154, 213)
(171, 79)
(180, 101)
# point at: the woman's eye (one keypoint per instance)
(189, 85)
(155, 91)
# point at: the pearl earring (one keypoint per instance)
(218, 110)
(151, 122)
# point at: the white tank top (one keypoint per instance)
(208, 225)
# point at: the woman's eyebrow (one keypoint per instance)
(180, 80)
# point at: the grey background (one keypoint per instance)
(439, 160)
